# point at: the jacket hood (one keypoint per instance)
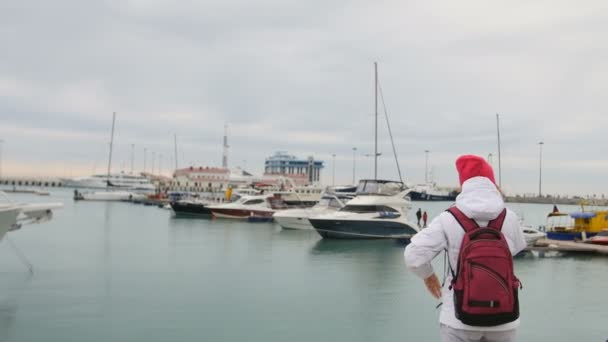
(480, 199)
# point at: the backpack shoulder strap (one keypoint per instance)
(463, 220)
(498, 221)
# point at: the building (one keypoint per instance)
(301, 171)
(207, 178)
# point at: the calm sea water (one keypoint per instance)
(125, 272)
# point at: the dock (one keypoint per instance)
(546, 245)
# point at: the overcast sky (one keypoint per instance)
(298, 76)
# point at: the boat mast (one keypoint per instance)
(498, 134)
(376, 120)
(111, 143)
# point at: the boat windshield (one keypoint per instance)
(367, 208)
(379, 187)
(254, 201)
(329, 202)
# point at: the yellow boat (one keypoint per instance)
(577, 225)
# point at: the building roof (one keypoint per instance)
(200, 169)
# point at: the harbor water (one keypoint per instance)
(126, 272)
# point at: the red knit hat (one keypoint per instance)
(469, 166)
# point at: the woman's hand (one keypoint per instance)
(432, 284)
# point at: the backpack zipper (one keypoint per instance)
(491, 272)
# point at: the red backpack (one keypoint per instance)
(485, 287)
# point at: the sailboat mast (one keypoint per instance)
(376, 120)
(111, 144)
(498, 135)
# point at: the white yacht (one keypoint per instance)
(532, 235)
(378, 212)
(115, 181)
(13, 215)
(107, 196)
(298, 218)
(248, 207)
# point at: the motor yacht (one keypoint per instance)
(298, 218)
(379, 211)
(249, 207)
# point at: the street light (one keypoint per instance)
(426, 166)
(1, 142)
(540, 168)
(490, 158)
(333, 169)
(354, 152)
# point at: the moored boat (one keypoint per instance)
(576, 226)
(247, 206)
(191, 207)
(14, 215)
(298, 218)
(378, 212)
(600, 239)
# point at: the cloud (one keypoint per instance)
(298, 76)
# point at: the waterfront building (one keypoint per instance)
(202, 177)
(301, 171)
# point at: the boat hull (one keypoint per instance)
(562, 236)
(240, 213)
(8, 219)
(190, 209)
(366, 229)
(293, 222)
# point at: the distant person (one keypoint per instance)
(424, 218)
(555, 210)
(418, 216)
(477, 304)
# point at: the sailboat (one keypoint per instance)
(121, 195)
(379, 210)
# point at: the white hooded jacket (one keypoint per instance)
(481, 201)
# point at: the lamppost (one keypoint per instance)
(540, 168)
(333, 169)
(426, 166)
(145, 155)
(1, 142)
(490, 158)
(354, 153)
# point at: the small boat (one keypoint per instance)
(247, 206)
(576, 226)
(532, 235)
(378, 212)
(298, 218)
(600, 239)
